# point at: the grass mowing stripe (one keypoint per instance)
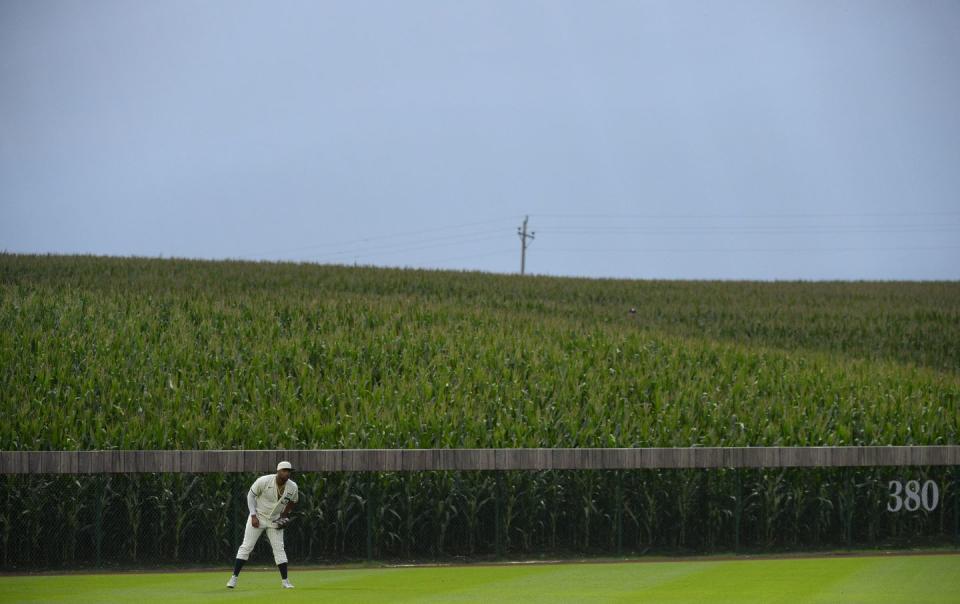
(886, 580)
(769, 581)
(905, 579)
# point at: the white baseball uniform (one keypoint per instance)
(267, 503)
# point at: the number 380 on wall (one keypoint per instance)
(912, 497)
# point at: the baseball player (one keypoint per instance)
(270, 500)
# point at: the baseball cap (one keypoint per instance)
(284, 465)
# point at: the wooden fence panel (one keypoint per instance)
(412, 460)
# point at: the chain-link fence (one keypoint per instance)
(142, 520)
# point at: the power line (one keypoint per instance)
(372, 238)
(757, 215)
(576, 225)
(747, 249)
(904, 228)
(406, 247)
(471, 256)
(358, 248)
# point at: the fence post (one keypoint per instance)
(5, 531)
(737, 511)
(370, 518)
(956, 503)
(499, 502)
(98, 522)
(232, 516)
(618, 514)
(849, 485)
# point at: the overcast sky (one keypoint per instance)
(730, 140)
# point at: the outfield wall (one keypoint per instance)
(412, 460)
(81, 509)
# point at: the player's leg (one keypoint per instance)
(250, 537)
(279, 554)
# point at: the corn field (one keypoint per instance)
(111, 353)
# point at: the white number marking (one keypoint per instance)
(930, 495)
(913, 497)
(897, 500)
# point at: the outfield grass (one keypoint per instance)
(891, 579)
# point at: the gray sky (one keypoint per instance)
(732, 140)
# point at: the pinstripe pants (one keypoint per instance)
(252, 535)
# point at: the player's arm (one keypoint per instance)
(252, 507)
(294, 498)
(285, 519)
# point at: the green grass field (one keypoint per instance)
(908, 579)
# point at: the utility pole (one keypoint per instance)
(522, 232)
